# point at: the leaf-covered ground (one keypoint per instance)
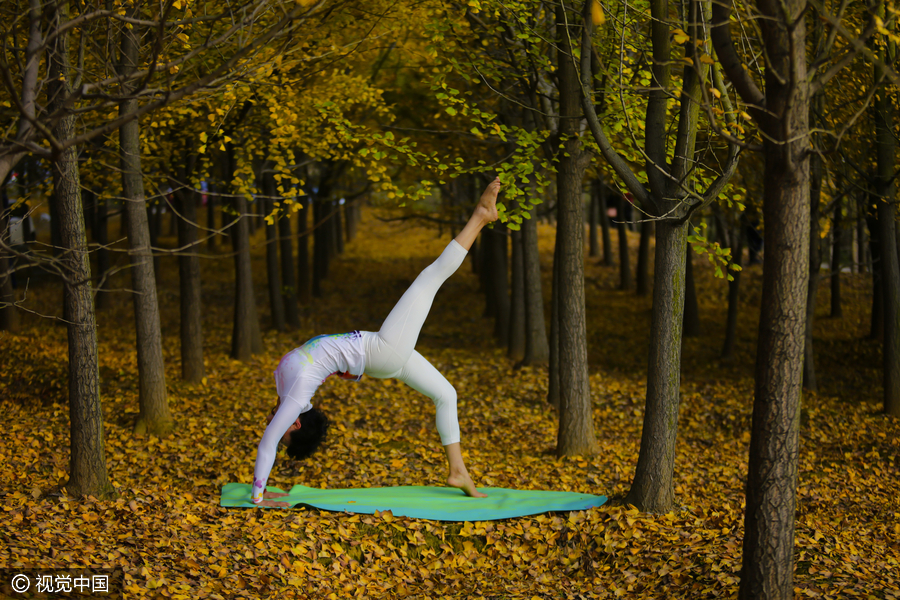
(167, 532)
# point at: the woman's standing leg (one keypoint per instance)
(420, 375)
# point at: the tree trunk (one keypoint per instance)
(773, 460)
(517, 300)
(553, 374)
(643, 262)
(837, 244)
(602, 193)
(303, 272)
(9, 315)
(499, 279)
(885, 150)
(338, 233)
(876, 329)
(87, 460)
(320, 248)
(102, 299)
(815, 261)
(691, 307)
(576, 423)
(288, 277)
(653, 489)
(537, 349)
(191, 301)
(154, 414)
(625, 279)
(273, 273)
(593, 220)
(212, 198)
(734, 287)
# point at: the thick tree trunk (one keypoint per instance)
(576, 423)
(643, 261)
(273, 272)
(734, 287)
(653, 489)
(773, 461)
(191, 302)
(154, 414)
(837, 244)
(87, 459)
(517, 300)
(885, 150)
(691, 306)
(625, 279)
(288, 277)
(304, 289)
(537, 349)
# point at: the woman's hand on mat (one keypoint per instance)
(268, 500)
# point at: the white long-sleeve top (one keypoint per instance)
(300, 372)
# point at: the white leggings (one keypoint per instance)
(391, 353)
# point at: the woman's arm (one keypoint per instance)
(287, 413)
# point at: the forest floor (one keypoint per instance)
(167, 532)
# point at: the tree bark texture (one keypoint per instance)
(553, 357)
(517, 300)
(87, 461)
(288, 277)
(9, 315)
(773, 461)
(602, 194)
(304, 288)
(876, 329)
(653, 489)
(498, 278)
(191, 300)
(273, 272)
(594, 221)
(576, 422)
(154, 414)
(537, 348)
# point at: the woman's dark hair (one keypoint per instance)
(306, 440)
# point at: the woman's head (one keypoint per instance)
(309, 436)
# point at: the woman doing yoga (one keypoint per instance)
(389, 353)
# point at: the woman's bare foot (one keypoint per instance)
(464, 482)
(487, 205)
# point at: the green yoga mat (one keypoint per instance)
(436, 503)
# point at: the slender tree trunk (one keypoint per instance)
(602, 193)
(734, 287)
(517, 300)
(9, 315)
(876, 330)
(276, 300)
(154, 415)
(246, 337)
(303, 273)
(593, 220)
(643, 262)
(885, 150)
(288, 278)
(768, 545)
(815, 261)
(576, 423)
(537, 349)
(500, 281)
(191, 301)
(102, 299)
(625, 279)
(691, 307)
(338, 233)
(87, 459)
(212, 198)
(320, 248)
(553, 376)
(837, 245)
